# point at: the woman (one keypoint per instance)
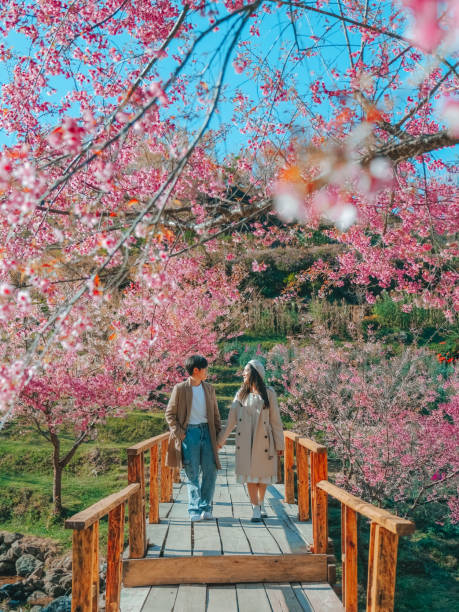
(259, 435)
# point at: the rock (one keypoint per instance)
(61, 604)
(66, 582)
(12, 591)
(36, 609)
(7, 568)
(9, 538)
(27, 564)
(36, 596)
(14, 603)
(54, 590)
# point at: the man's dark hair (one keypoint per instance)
(195, 361)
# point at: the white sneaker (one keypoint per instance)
(264, 514)
(207, 515)
(256, 514)
(194, 518)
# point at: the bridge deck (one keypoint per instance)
(231, 532)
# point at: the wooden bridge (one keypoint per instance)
(229, 563)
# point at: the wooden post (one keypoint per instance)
(82, 569)
(95, 567)
(166, 479)
(137, 520)
(289, 477)
(177, 475)
(319, 472)
(154, 493)
(382, 565)
(114, 558)
(302, 471)
(350, 559)
(343, 551)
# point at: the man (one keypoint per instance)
(194, 422)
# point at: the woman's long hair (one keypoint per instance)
(254, 380)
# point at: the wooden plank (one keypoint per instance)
(242, 508)
(161, 598)
(282, 598)
(225, 569)
(350, 560)
(289, 512)
(286, 535)
(260, 540)
(289, 475)
(178, 539)
(222, 507)
(301, 597)
(90, 515)
(190, 598)
(114, 557)
(154, 486)
(206, 540)
(82, 567)
(140, 447)
(132, 600)
(312, 446)
(232, 536)
(156, 535)
(136, 503)
(322, 597)
(319, 471)
(291, 435)
(384, 518)
(302, 482)
(251, 597)
(221, 599)
(381, 588)
(179, 509)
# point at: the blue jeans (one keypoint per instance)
(198, 456)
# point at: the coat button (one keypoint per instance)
(266, 450)
(240, 420)
(266, 436)
(238, 433)
(238, 447)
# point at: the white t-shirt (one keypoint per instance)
(198, 406)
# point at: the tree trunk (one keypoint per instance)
(57, 476)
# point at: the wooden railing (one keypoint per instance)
(85, 525)
(311, 468)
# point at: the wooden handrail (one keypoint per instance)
(380, 516)
(312, 446)
(143, 446)
(90, 515)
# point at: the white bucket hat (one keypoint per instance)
(258, 367)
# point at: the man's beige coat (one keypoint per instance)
(177, 417)
(257, 459)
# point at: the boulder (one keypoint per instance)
(27, 564)
(7, 568)
(36, 596)
(61, 604)
(66, 582)
(9, 538)
(13, 590)
(54, 590)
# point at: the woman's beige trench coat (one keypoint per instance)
(259, 460)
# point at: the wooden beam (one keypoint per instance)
(302, 482)
(87, 517)
(319, 471)
(153, 516)
(114, 558)
(384, 518)
(291, 435)
(312, 446)
(225, 569)
(95, 568)
(137, 520)
(166, 475)
(289, 476)
(82, 568)
(381, 569)
(146, 444)
(350, 560)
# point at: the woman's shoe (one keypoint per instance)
(256, 514)
(264, 514)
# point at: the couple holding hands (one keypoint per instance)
(196, 435)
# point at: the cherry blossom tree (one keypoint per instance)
(114, 160)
